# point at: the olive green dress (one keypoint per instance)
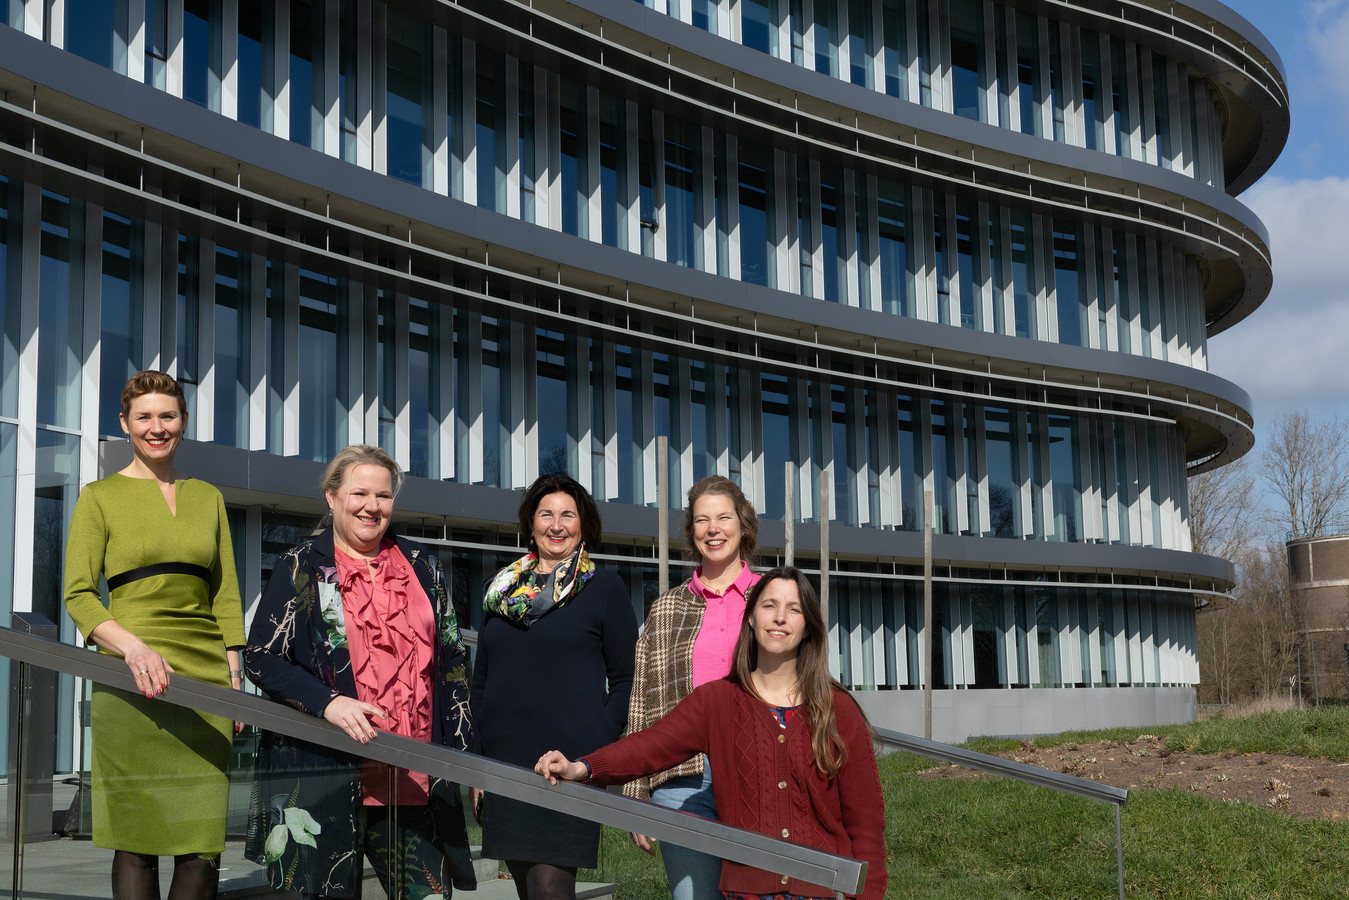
(159, 771)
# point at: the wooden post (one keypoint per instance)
(663, 513)
(824, 572)
(927, 615)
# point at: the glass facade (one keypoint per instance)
(496, 258)
(982, 60)
(684, 192)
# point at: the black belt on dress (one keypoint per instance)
(164, 568)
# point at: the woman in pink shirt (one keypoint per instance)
(689, 640)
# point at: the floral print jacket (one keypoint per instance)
(306, 820)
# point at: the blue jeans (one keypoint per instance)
(691, 875)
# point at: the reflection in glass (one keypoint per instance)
(233, 309)
(120, 325)
(322, 423)
(61, 312)
(197, 56)
(90, 30)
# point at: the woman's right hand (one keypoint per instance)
(150, 670)
(353, 717)
(643, 842)
(553, 766)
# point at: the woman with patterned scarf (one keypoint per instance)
(553, 668)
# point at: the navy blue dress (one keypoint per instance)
(561, 684)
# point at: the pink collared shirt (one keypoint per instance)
(715, 643)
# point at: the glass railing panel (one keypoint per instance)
(70, 865)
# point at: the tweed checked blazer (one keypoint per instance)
(664, 674)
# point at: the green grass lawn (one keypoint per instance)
(996, 838)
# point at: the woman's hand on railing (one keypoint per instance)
(643, 842)
(353, 717)
(554, 766)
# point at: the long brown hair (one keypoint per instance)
(814, 685)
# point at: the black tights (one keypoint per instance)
(539, 881)
(135, 876)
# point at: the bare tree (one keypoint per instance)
(1304, 464)
(1265, 621)
(1223, 510)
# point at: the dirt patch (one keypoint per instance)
(1308, 788)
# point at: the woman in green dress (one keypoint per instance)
(159, 771)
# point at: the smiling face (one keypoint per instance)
(716, 530)
(777, 620)
(361, 508)
(154, 424)
(557, 528)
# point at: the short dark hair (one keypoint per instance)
(560, 482)
(152, 382)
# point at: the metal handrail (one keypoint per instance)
(1008, 768)
(838, 873)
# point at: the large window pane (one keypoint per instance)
(60, 312)
(755, 171)
(252, 22)
(321, 323)
(119, 315)
(91, 29)
(232, 301)
(197, 55)
(409, 99)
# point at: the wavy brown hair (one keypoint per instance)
(744, 511)
(149, 381)
(814, 685)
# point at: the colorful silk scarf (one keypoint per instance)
(513, 590)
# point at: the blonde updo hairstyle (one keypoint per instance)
(359, 455)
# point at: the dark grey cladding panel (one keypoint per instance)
(292, 485)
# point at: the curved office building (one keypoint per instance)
(883, 247)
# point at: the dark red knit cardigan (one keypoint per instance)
(766, 781)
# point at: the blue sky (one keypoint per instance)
(1293, 352)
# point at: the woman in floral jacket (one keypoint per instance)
(357, 627)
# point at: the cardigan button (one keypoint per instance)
(785, 879)
(782, 739)
(782, 785)
(786, 833)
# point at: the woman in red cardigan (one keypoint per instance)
(791, 749)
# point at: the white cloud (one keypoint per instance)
(1327, 33)
(1294, 350)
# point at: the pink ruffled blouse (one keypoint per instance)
(390, 635)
